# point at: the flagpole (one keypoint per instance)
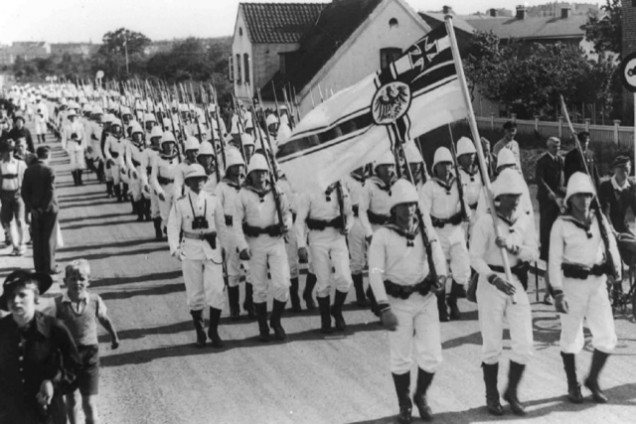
(477, 141)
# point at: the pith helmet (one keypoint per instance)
(442, 155)
(232, 158)
(465, 146)
(403, 191)
(579, 182)
(257, 163)
(509, 181)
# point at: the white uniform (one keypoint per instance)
(393, 257)
(374, 204)
(134, 159)
(201, 262)
(571, 243)
(321, 214)
(259, 210)
(114, 149)
(147, 157)
(472, 187)
(162, 181)
(74, 146)
(356, 236)
(41, 118)
(291, 243)
(493, 305)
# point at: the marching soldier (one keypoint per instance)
(356, 236)
(152, 200)
(498, 298)
(441, 200)
(114, 148)
(134, 156)
(469, 175)
(399, 275)
(206, 157)
(415, 163)
(227, 191)
(579, 269)
(191, 148)
(328, 217)
(164, 168)
(72, 141)
(259, 233)
(198, 217)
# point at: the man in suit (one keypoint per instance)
(38, 192)
(574, 162)
(550, 192)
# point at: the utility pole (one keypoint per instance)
(126, 53)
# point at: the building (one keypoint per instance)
(74, 49)
(314, 50)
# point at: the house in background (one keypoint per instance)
(318, 50)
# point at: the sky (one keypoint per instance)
(59, 21)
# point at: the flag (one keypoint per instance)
(415, 94)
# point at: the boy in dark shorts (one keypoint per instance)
(80, 311)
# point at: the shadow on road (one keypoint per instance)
(95, 256)
(100, 224)
(127, 243)
(149, 291)
(158, 276)
(87, 217)
(85, 203)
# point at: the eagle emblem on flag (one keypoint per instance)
(390, 102)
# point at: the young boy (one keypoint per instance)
(80, 310)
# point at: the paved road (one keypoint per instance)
(157, 376)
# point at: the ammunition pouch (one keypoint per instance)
(404, 292)
(377, 219)
(209, 237)
(356, 210)
(115, 155)
(164, 181)
(135, 163)
(319, 225)
(228, 220)
(520, 270)
(581, 272)
(442, 222)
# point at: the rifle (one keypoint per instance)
(460, 186)
(239, 126)
(289, 110)
(596, 207)
(275, 100)
(171, 122)
(343, 216)
(269, 141)
(273, 175)
(218, 124)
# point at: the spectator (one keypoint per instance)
(574, 162)
(618, 194)
(38, 192)
(11, 176)
(20, 132)
(508, 142)
(38, 357)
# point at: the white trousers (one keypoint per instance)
(291, 247)
(270, 251)
(357, 247)
(76, 155)
(135, 186)
(587, 299)
(493, 305)
(453, 243)
(204, 284)
(115, 173)
(236, 268)
(329, 251)
(165, 205)
(418, 327)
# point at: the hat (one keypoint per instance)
(115, 122)
(195, 171)
(125, 111)
(465, 146)
(403, 191)
(149, 117)
(44, 282)
(98, 110)
(156, 132)
(386, 159)
(412, 153)
(247, 140)
(135, 128)
(191, 143)
(168, 137)
(442, 155)
(232, 158)
(509, 125)
(206, 148)
(506, 158)
(579, 182)
(509, 181)
(271, 119)
(257, 163)
(620, 161)
(17, 116)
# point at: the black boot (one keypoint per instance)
(74, 175)
(308, 296)
(441, 306)
(372, 302)
(146, 207)
(109, 188)
(197, 319)
(293, 296)
(424, 380)
(79, 177)
(574, 388)
(591, 382)
(139, 207)
(510, 395)
(455, 292)
(248, 304)
(125, 191)
(233, 297)
(135, 207)
(261, 315)
(402, 389)
(336, 310)
(325, 318)
(274, 321)
(358, 284)
(213, 330)
(157, 224)
(117, 190)
(493, 403)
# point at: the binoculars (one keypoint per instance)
(199, 223)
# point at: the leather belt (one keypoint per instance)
(404, 292)
(198, 236)
(581, 272)
(272, 231)
(165, 181)
(520, 270)
(320, 225)
(442, 222)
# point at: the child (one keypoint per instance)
(80, 311)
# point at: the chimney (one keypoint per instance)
(492, 13)
(447, 10)
(521, 12)
(565, 12)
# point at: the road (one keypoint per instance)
(158, 376)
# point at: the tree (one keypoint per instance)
(115, 41)
(111, 56)
(606, 31)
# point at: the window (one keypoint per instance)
(393, 23)
(230, 68)
(246, 67)
(389, 55)
(237, 77)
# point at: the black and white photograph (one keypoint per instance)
(317, 212)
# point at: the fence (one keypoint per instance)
(622, 136)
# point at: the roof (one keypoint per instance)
(510, 27)
(279, 23)
(336, 23)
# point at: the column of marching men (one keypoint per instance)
(233, 221)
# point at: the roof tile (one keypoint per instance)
(269, 23)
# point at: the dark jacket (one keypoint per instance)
(615, 203)
(17, 134)
(549, 172)
(574, 163)
(38, 188)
